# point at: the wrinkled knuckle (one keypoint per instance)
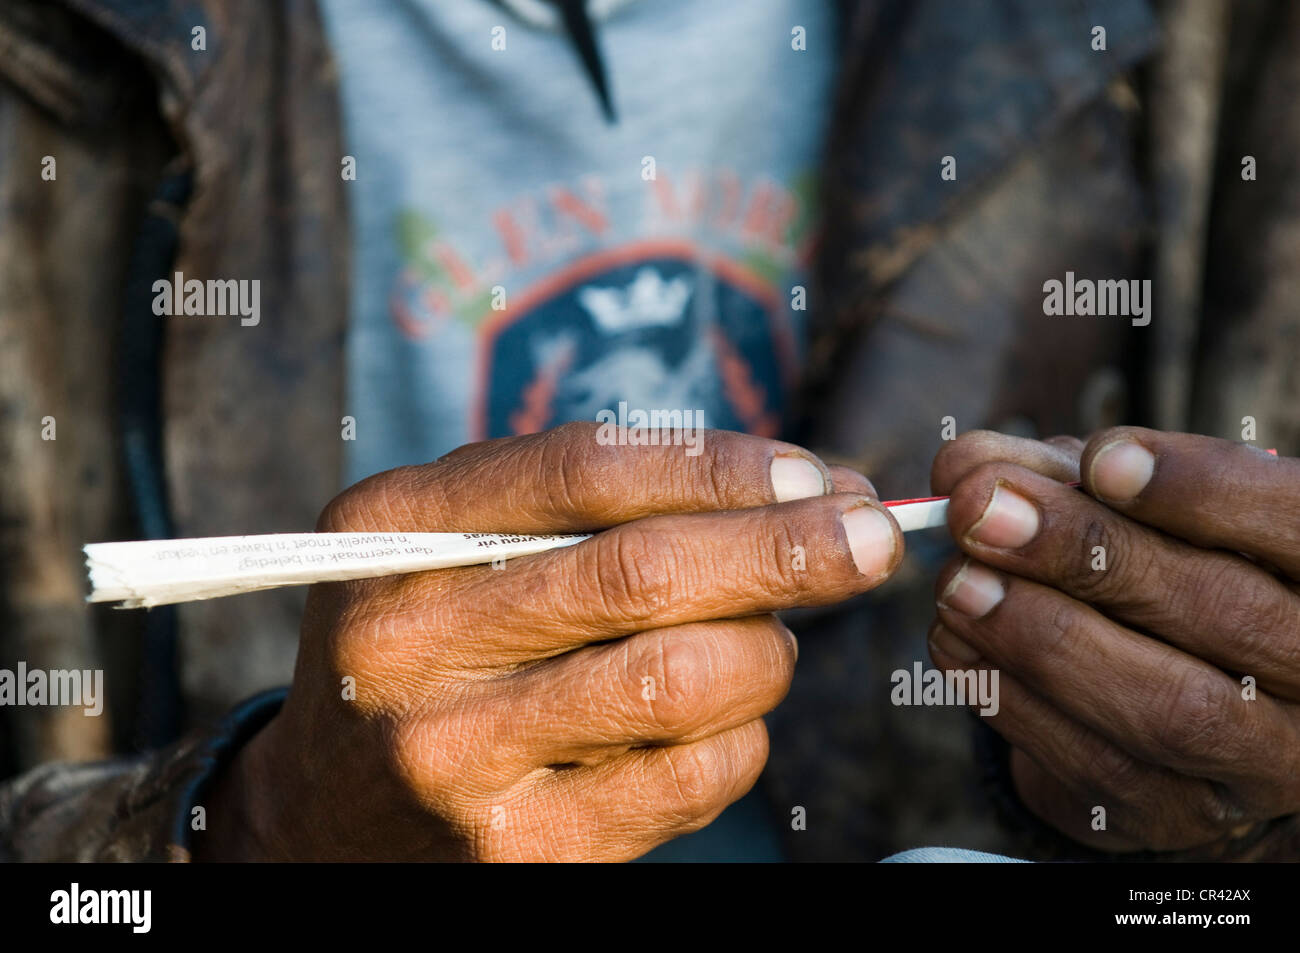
(492, 846)
(352, 653)
(1135, 810)
(1182, 582)
(407, 756)
(1101, 535)
(696, 777)
(1062, 631)
(355, 629)
(1219, 479)
(781, 567)
(430, 754)
(502, 831)
(417, 609)
(1124, 777)
(1254, 616)
(567, 458)
(715, 482)
(630, 573)
(683, 670)
(1198, 722)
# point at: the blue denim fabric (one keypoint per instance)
(949, 855)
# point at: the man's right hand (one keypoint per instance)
(587, 703)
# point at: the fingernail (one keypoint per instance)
(944, 642)
(795, 478)
(1008, 522)
(973, 592)
(1121, 470)
(871, 539)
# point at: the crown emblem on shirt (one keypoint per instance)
(647, 302)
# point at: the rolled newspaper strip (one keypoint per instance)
(161, 572)
(165, 571)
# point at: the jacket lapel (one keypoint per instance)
(251, 438)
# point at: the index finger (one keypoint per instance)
(575, 479)
(1210, 492)
(663, 571)
(1057, 457)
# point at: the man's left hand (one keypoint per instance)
(1146, 630)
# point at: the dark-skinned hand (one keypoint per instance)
(1164, 687)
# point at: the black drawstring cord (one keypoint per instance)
(577, 23)
(159, 707)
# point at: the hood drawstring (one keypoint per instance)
(577, 23)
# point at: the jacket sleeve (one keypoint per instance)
(135, 809)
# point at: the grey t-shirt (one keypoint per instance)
(520, 262)
(479, 168)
